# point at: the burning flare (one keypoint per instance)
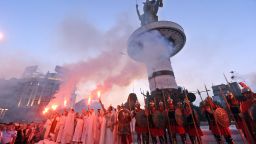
(45, 110)
(99, 94)
(65, 103)
(54, 107)
(89, 100)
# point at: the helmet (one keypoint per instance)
(246, 91)
(161, 103)
(229, 94)
(169, 100)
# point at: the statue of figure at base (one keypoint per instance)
(150, 9)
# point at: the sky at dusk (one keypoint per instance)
(220, 37)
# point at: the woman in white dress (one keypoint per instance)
(98, 121)
(47, 127)
(106, 136)
(85, 120)
(61, 126)
(68, 128)
(79, 129)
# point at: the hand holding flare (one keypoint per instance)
(65, 103)
(89, 102)
(54, 107)
(99, 94)
(45, 110)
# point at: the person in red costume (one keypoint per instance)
(176, 125)
(155, 130)
(141, 125)
(248, 108)
(192, 124)
(218, 130)
(234, 106)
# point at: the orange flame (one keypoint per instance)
(54, 107)
(89, 100)
(65, 103)
(98, 93)
(45, 110)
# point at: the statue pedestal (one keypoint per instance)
(145, 50)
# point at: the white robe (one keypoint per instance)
(84, 134)
(61, 124)
(106, 134)
(56, 129)
(47, 127)
(90, 129)
(98, 121)
(78, 130)
(68, 128)
(132, 125)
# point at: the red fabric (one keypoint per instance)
(193, 132)
(243, 85)
(140, 130)
(130, 138)
(239, 124)
(172, 128)
(245, 105)
(177, 129)
(180, 130)
(220, 131)
(156, 132)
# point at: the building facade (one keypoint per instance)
(26, 97)
(221, 90)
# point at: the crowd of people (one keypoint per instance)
(160, 122)
(157, 123)
(16, 133)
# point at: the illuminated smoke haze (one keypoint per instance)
(110, 70)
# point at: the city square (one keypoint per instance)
(127, 72)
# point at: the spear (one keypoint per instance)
(246, 129)
(199, 93)
(144, 111)
(232, 115)
(192, 114)
(168, 120)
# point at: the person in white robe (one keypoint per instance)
(98, 121)
(68, 128)
(47, 127)
(61, 125)
(85, 120)
(106, 136)
(116, 138)
(78, 130)
(54, 126)
(91, 126)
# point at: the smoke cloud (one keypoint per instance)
(153, 50)
(252, 81)
(249, 79)
(13, 63)
(110, 67)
